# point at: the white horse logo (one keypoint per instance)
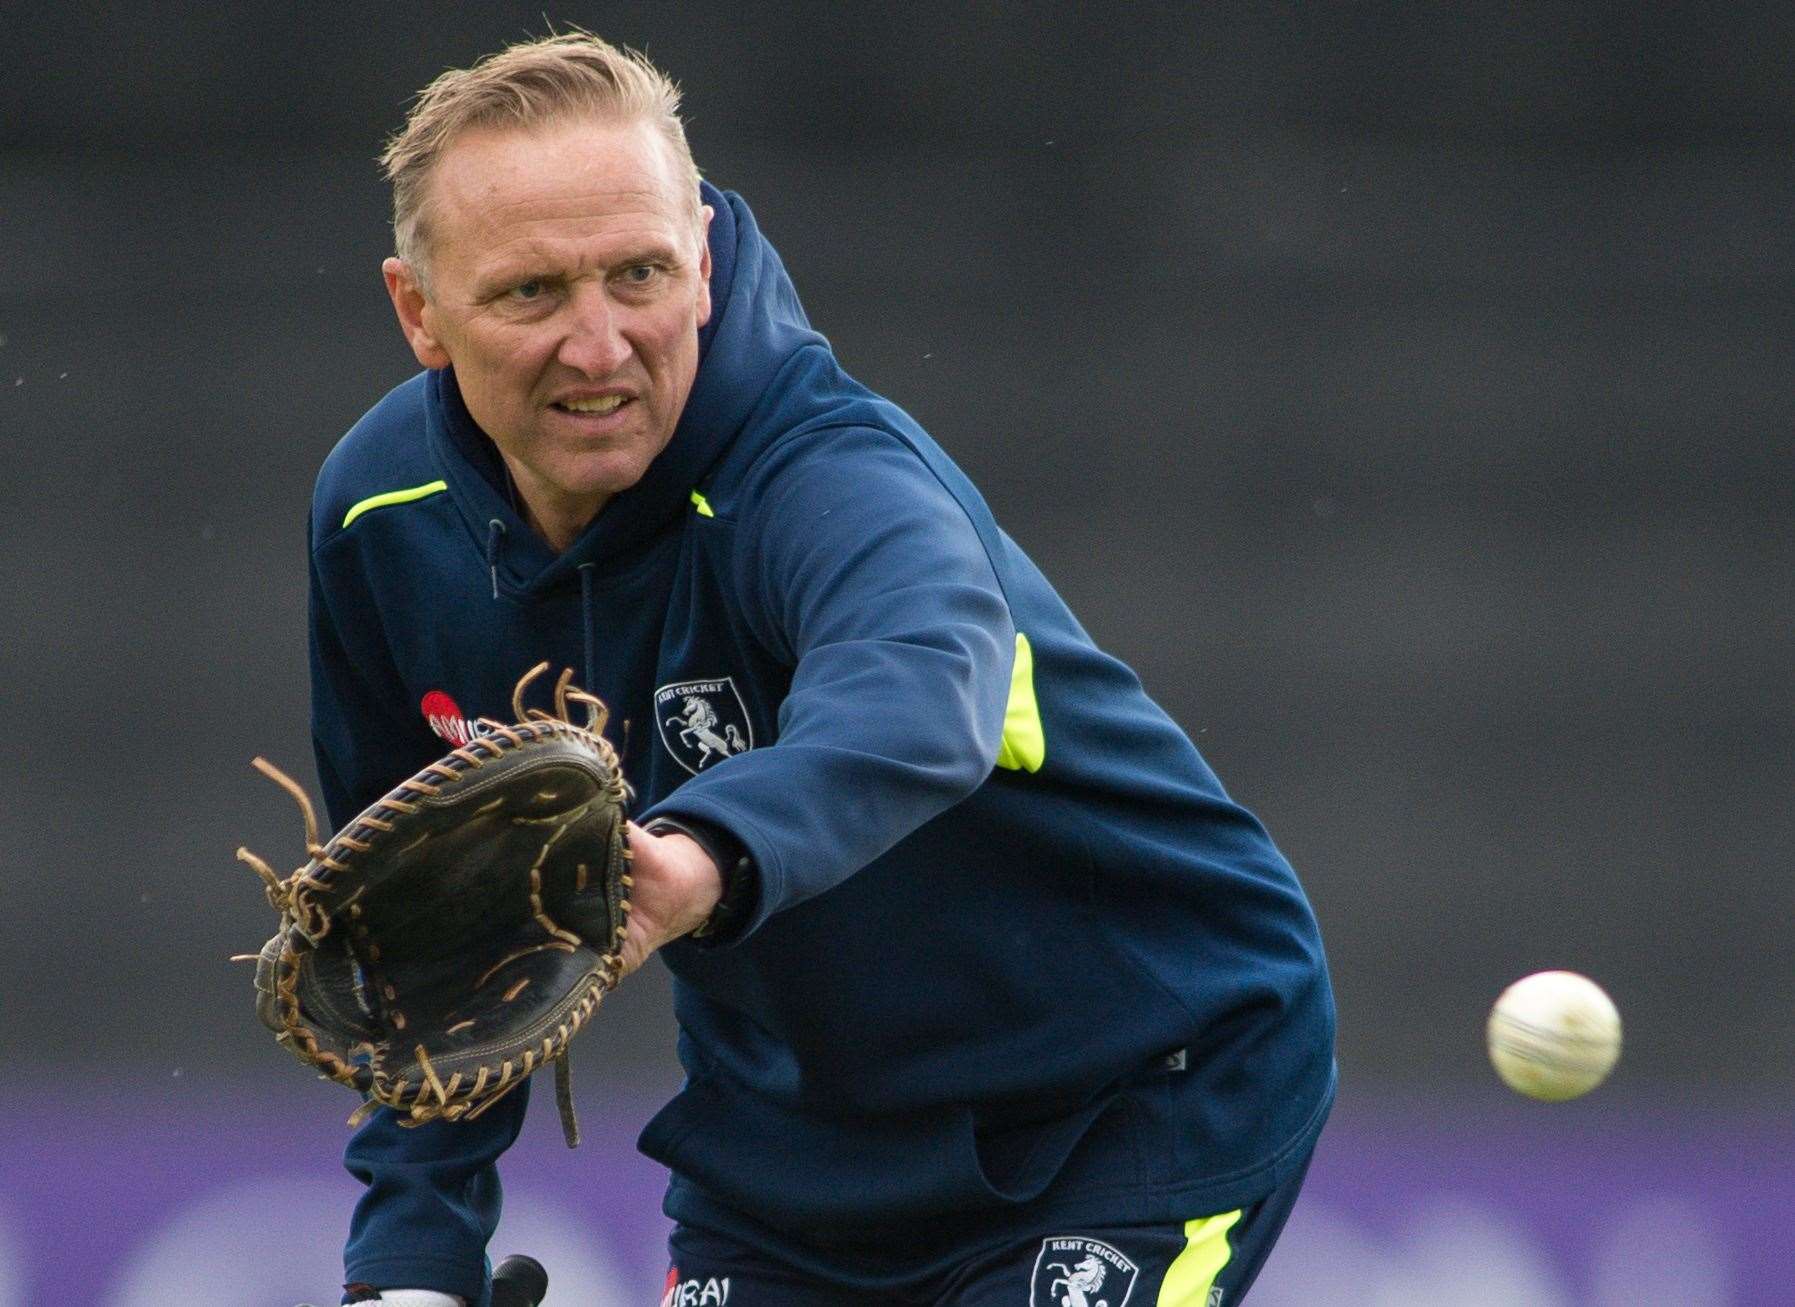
(700, 731)
(1079, 1282)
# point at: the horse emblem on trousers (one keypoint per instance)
(1071, 1271)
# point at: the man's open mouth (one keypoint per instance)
(601, 405)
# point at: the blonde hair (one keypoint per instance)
(527, 85)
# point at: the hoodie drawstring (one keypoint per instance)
(586, 626)
(495, 532)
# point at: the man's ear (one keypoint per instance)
(409, 302)
(704, 266)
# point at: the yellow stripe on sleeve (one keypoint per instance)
(393, 497)
(1024, 744)
(1192, 1274)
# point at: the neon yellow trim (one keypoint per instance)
(1024, 746)
(1191, 1276)
(702, 504)
(394, 497)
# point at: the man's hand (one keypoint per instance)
(676, 886)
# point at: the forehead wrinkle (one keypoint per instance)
(569, 185)
(551, 233)
(597, 206)
(551, 158)
(570, 218)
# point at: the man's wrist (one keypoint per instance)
(741, 883)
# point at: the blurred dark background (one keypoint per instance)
(1404, 390)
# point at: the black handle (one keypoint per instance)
(519, 1282)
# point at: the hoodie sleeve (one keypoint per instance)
(433, 1196)
(857, 565)
(363, 748)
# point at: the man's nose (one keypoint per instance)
(594, 343)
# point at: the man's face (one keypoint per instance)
(567, 282)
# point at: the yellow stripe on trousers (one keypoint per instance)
(1193, 1271)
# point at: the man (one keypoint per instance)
(987, 993)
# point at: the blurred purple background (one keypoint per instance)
(1477, 1202)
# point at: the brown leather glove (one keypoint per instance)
(455, 936)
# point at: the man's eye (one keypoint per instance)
(528, 290)
(640, 274)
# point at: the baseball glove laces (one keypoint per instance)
(452, 938)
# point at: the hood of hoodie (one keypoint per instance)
(756, 324)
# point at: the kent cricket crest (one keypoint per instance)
(703, 722)
(1074, 1272)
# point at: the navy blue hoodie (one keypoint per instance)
(998, 886)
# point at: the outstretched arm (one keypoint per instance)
(858, 564)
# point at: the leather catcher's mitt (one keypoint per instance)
(455, 936)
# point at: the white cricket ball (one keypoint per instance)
(1554, 1035)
